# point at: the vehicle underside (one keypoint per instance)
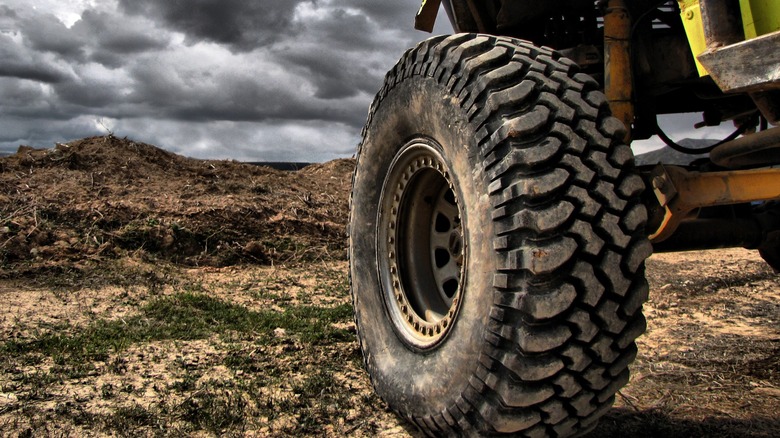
(647, 68)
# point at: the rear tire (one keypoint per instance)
(497, 241)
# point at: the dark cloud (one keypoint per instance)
(23, 64)
(46, 33)
(243, 25)
(225, 95)
(22, 98)
(389, 14)
(332, 80)
(119, 35)
(98, 36)
(8, 18)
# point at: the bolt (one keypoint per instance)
(689, 14)
(658, 182)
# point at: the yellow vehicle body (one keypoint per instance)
(759, 17)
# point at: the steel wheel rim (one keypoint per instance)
(421, 246)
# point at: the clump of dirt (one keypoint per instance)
(106, 197)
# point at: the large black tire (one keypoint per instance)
(496, 241)
(769, 217)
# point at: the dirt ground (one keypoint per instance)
(103, 198)
(146, 294)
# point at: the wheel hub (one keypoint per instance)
(421, 246)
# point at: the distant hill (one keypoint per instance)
(280, 165)
(668, 155)
(102, 197)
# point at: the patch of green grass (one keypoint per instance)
(37, 385)
(130, 417)
(183, 316)
(215, 408)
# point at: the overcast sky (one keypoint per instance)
(269, 80)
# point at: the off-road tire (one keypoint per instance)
(549, 241)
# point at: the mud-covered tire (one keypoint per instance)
(768, 215)
(537, 335)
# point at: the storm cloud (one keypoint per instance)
(270, 80)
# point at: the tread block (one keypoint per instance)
(441, 424)
(501, 281)
(613, 127)
(509, 422)
(606, 191)
(527, 156)
(586, 80)
(596, 98)
(538, 431)
(554, 411)
(584, 109)
(598, 160)
(551, 63)
(596, 378)
(447, 415)
(603, 349)
(542, 80)
(562, 112)
(550, 304)
(539, 339)
(566, 385)
(499, 213)
(490, 80)
(633, 331)
(463, 409)
(472, 46)
(514, 97)
(636, 296)
(614, 386)
(518, 127)
(531, 368)
(608, 313)
(621, 156)
(522, 395)
(563, 78)
(476, 64)
(566, 428)
(583, 403)
(595, 139)
(588, 423)
(543, 258)
(582, 174)
(621, 363)
(576, 144)
(533, 187)
(538, 221)
(577, 358)
(639, 252)
(431, 425)
(586, 328)
(589, 241)
(592, 288)
(503, 331)
(588, 207)
(635, 219)
(631, 187)
(610, 266)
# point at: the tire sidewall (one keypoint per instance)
(422, 382)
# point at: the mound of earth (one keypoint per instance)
(105, 197)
